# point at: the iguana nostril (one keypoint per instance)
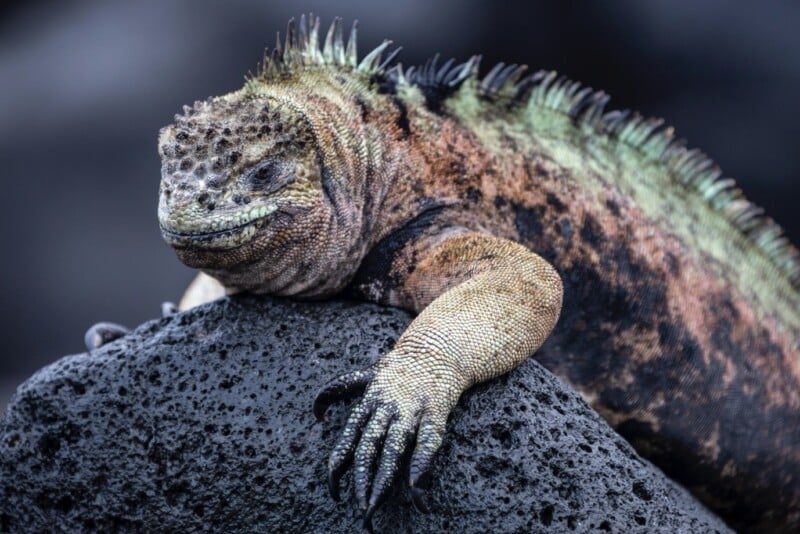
(202, 199)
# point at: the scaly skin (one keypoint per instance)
(483, 205)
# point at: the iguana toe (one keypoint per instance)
(368, 453)
(342, 454)
(101, 333)
(429, 439)
(395, 447)
(341, 388)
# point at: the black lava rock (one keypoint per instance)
(202, 421)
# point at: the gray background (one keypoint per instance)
(85, 86)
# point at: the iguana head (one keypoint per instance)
(229, 165)
(256, 185)
(241, 180)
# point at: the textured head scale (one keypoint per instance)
(219, 159)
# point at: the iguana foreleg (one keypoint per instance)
(485, 305)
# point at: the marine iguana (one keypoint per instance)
(514, 215)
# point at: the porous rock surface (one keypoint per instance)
(203, 421)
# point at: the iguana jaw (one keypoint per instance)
(222, 232)
(215, 239)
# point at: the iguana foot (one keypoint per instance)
(404, 403)
(101, 333)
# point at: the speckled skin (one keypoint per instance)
(322, 176)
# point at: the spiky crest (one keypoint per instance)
(505, 85)
(436, 83)
(301, 49)
(651, 138)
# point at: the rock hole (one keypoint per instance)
(65, 504)
(546, 515)
(641, 491)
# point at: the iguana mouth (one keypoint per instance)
(214, 238)
(219, 233)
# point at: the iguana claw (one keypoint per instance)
(417, 499)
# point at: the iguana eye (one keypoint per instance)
(268, 177)
(263, 173)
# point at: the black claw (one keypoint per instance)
(423, 479)
(321, 403)
(417, 498)
(368, 522)
(374, 502)
(333, 483)
(340, 388)
(370, 511)
(101, 333)
(419, 476)
(429, 438)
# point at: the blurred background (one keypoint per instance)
(85, 86)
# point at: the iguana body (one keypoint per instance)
(487, 206)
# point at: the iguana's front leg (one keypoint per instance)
(485, 305)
